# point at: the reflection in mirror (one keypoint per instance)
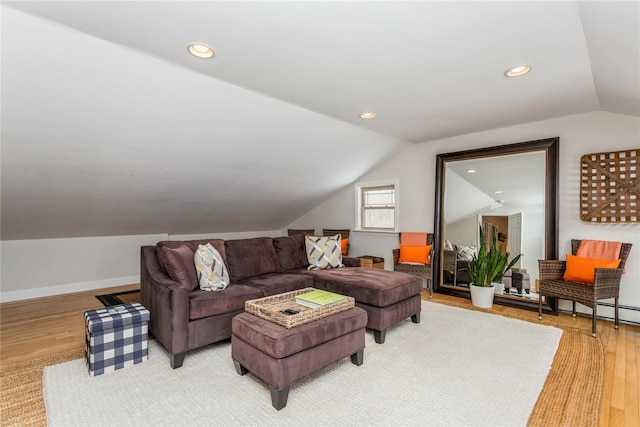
(503, 195)
(509, 190)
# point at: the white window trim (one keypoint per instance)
(396, 215)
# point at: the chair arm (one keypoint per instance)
(167, 301)
(396, 256)
(551, 269)
(607, 280)
(449, 260)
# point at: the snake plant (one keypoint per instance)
(488, 266)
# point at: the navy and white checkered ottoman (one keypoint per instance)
(116, 337)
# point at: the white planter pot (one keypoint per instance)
(482, 296)
(498, 288)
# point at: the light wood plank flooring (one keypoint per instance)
(33, 328)
(39, 327)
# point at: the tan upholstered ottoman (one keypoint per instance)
(280, 356)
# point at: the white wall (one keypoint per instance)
(227, 236)
(44, 267)
(414, 167)
(463, 232)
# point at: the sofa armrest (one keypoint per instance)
(167, 301)
(350, 261)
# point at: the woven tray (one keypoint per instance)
(269, 308)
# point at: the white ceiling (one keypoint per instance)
(112, 128)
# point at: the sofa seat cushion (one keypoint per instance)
(379, 288)
(279, 342)
(250, 257)
(290, 251)
(205, 304)
(277, 283)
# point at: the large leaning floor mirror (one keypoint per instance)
(510, 191)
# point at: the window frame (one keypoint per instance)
(360, 188)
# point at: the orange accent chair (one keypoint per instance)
(422, 270)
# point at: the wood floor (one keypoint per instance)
(33, 328)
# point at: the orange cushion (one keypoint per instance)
(343, 246)
(413, 239)
(581, 269)
(415, 254)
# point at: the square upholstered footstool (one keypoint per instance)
(520, 280)
(116, 337)
(280, 356)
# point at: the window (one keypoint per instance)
(377, 206)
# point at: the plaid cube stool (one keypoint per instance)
(116, 337)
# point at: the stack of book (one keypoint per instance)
(319, 298)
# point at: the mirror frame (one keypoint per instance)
(550, 147)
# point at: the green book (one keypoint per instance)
(319, 298)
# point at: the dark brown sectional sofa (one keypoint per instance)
(183, 317)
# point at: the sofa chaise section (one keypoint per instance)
(387, 296)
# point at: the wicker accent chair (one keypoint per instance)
(344, 234)
(606, 284)
(293, 231)
(421, 270)
(449, 263)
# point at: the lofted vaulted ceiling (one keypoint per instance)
(110, 127)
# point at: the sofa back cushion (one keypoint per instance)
(290, 252)
(250, 257)
(179, 266)
(176, 259)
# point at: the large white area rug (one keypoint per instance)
(456, 368)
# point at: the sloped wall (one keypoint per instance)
(43, 267)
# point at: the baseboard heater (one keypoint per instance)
(612, 305)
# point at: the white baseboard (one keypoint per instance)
(48, 291)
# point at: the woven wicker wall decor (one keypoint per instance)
(610, 187)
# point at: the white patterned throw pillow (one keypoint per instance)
(448, 246)
(466, 252)
(323, 252)
(212, 273)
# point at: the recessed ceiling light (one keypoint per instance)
(367, 115)
(517, 71)
(470, 171)
(497, 192)
(200, 50)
